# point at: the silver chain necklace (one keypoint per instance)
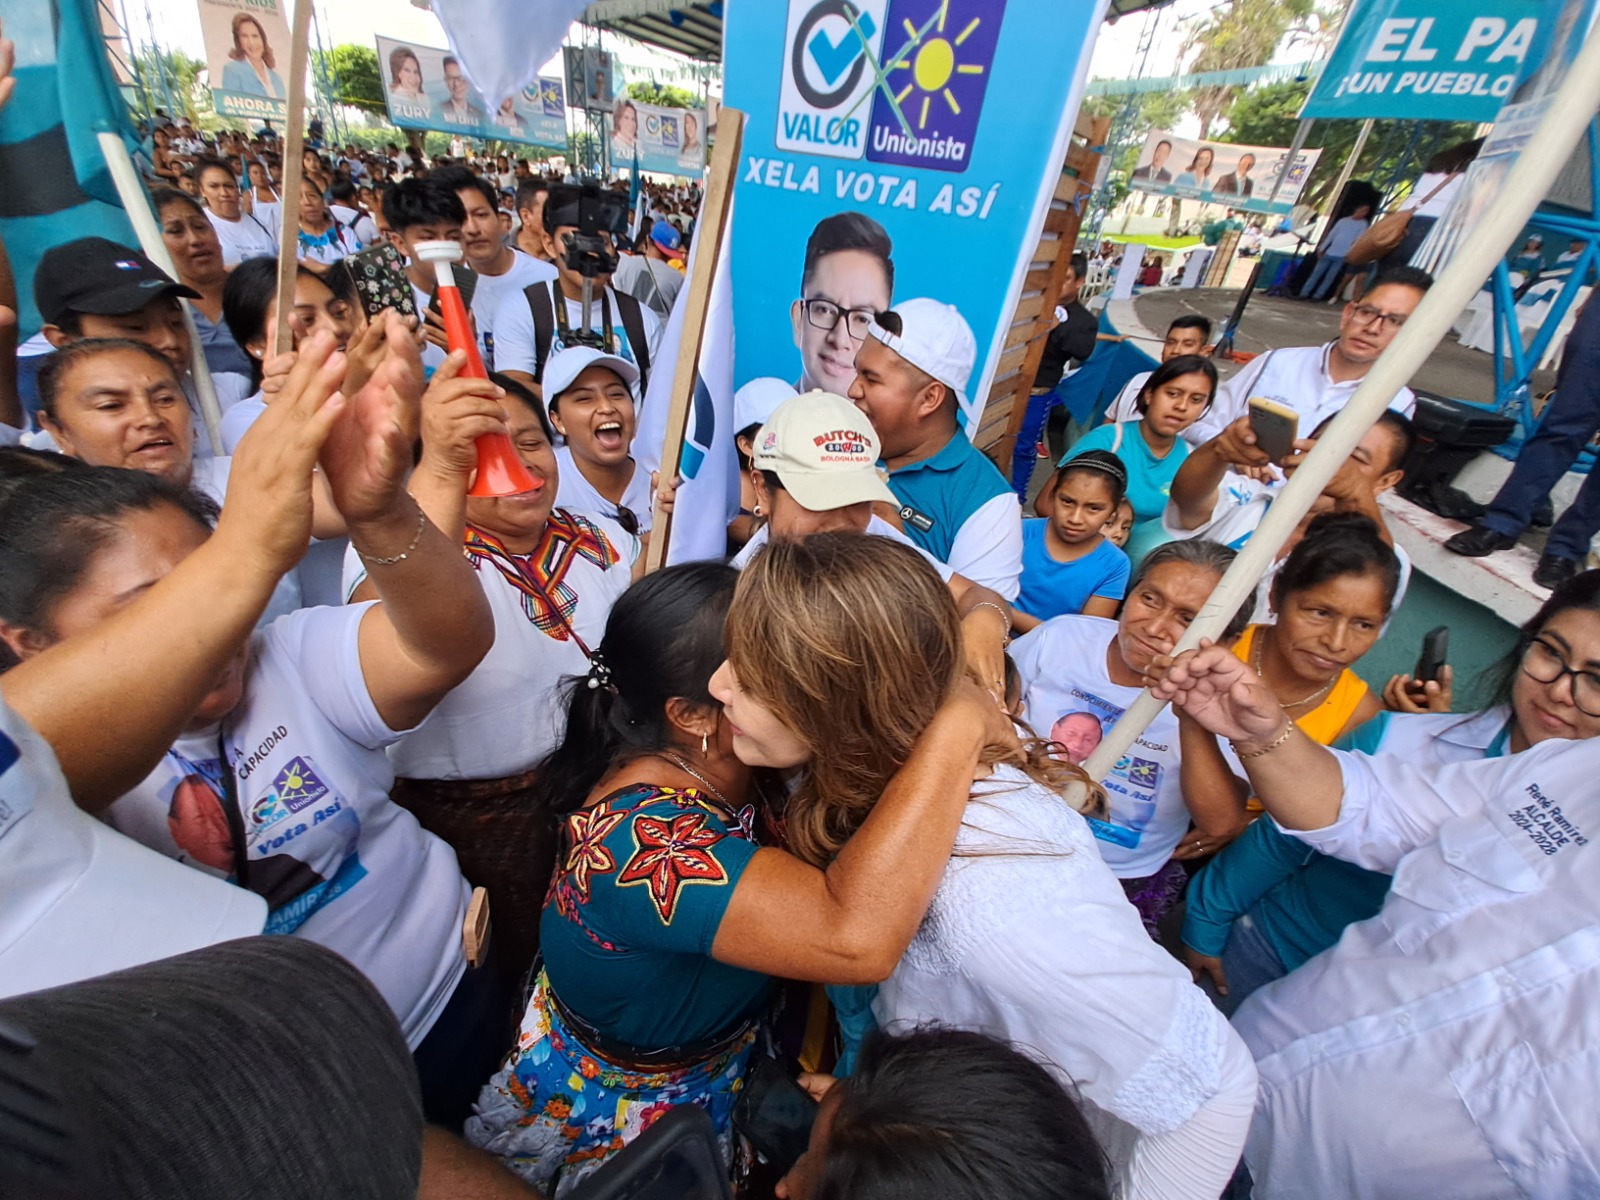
(678, 761)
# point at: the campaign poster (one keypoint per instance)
(1425, 60)
(669, 140)
(921, 140)
(591, 78)
(1564, 25)
(247, 57)
(1221, 172)
(426, 88)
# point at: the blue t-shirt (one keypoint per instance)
(638, 896)
(1051, 588)
(1149, 479)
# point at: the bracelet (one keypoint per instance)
(422, 522)
(1004, 615)
(1246, 755)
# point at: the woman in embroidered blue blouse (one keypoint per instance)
(666, 918)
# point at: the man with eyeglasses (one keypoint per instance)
(1318, 381)
(847, 277)
(1566, 427)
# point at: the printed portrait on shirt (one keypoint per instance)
(1078, 733)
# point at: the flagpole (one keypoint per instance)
(293, 146)
(1541, 161)
(136, 203)
(710, 232)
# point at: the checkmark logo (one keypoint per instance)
(833, 59)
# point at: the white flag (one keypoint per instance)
(503, 43)
(709, 496)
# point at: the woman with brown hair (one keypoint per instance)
(667, 917)
(250, 69)
(838, 660)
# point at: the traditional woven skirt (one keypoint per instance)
(558, 1109)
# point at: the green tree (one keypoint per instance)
(663, 95)
(353, 74)
(172, 76)
(1238, 35)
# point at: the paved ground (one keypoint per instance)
(1269, 321)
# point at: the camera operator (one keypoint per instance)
(530, 326)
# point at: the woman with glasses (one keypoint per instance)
(1448, 1046)
(1268, 903)
(551, 576)
(591, 406)
(847, 277)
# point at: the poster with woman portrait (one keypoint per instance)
(425, 87)
(247, 57)
(667, 140)
(1224, 173)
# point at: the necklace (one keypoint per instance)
(677, 760)
(1255, 662)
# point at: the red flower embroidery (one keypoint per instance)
(670, 854)
(589, 828)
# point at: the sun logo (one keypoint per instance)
(934, 63)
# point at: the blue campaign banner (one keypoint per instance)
(667, 140)
(425, 88)
(893, 149)
(1426, 60)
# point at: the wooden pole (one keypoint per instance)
(293, 144)
(711, 229)
(136, 203)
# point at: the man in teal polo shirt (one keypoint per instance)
(911, 377)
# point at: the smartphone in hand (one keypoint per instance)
(1276, 427)
(1435, 651)
(381, 281)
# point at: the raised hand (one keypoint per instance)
(8, 60)
(1405, 694)
(1222, 694)
(367, 455)
(269, 499)
(456, 412)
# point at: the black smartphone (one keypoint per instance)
(775, 1113)
(1435, 650)
(466, 283)
(1275, 426)
(676, 1158)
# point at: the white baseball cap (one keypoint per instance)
(936, 338)
(561, 369)
(83, 900)
(824, 451)
(756, 401)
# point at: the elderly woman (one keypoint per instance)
(1079, 673)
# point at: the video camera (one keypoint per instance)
(594, 213)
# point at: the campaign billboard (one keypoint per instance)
(591, 77)
(247, 57)
(670, 140)
(425, 88)
(892, 149)
(1221, 172)
(1425, 60)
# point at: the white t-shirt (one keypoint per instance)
(1294, 376)
(1063, 668)
(576, 494)
(339, 862)
(237, 420)
(1241, 503)
(649, 281)
(1126, 406)
(877, 527)
(355, 226)
(248, 237)
(514, 342)
(492, 290)
(507, 715)
(1030, 939)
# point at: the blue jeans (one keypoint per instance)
(1329, 268)
(1568, 423)
(1025, 455)
(1249, 962)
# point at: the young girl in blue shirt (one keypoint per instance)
(1068, 563)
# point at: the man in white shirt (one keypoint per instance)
(419, 210)
(530, 326)
(531, 195)
(650, 276)
(1341, 238)
(502, 271)
(1318, 381)
(911, 377)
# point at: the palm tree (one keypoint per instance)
(1241, 34)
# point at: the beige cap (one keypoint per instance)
(824, 451)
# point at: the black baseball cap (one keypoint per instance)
(97, 276)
